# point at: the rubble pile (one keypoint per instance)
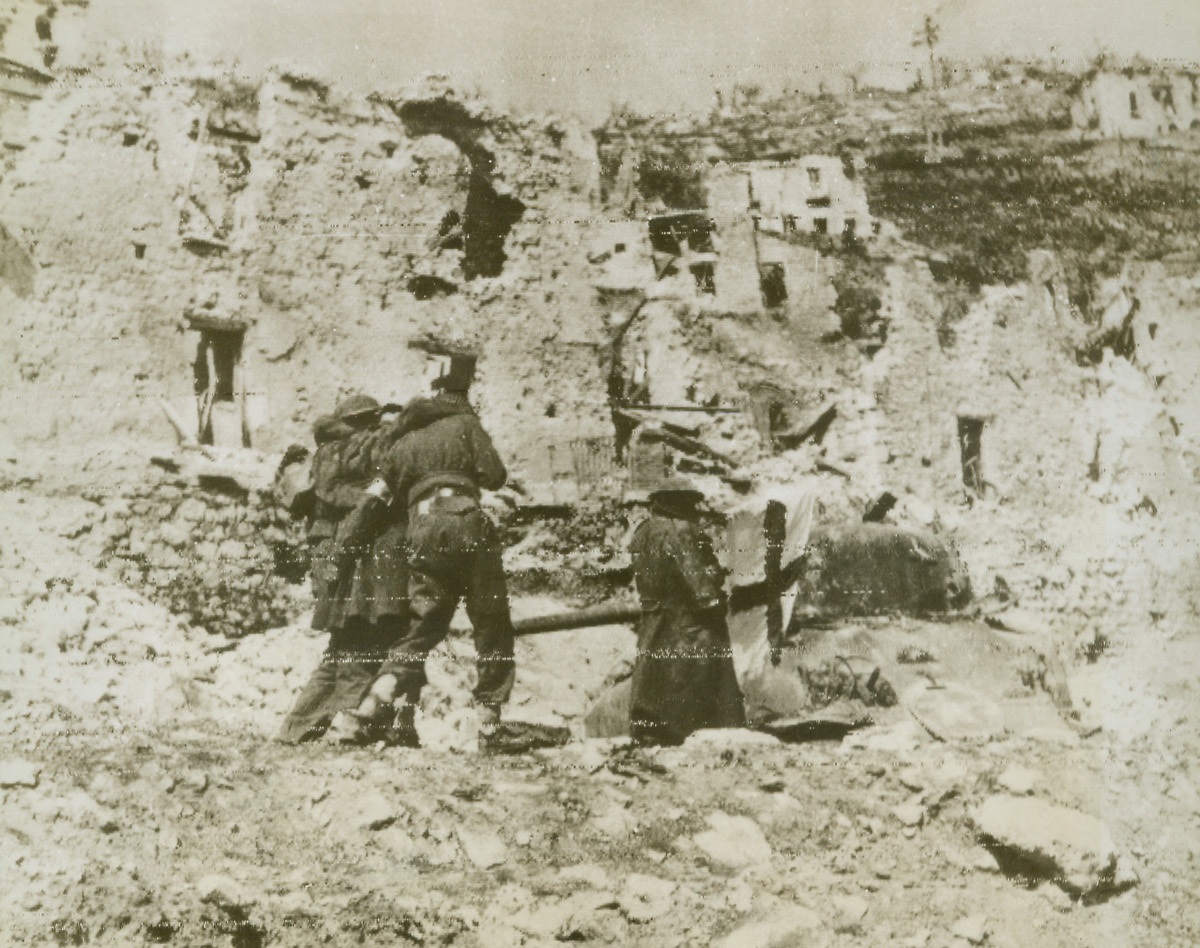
(222, 556)
(287, 243)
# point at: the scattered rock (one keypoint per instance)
(582, 916)
(851, 911)
(195, 780)
(973, 928)
(645, 897)
(909, 814)
(910, 779)
(223, 892)
(615, 822)
(1035, 839)
(733, 842)
(1018, 780)
(956, 713)
(983, 861)
(592, 756)
(484, 849)
(398, 843)
(780, 928)
(372, 811)
(15, 772)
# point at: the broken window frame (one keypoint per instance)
(218, 374)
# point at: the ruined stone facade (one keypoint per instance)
(298, 235)
(1138, 105)
(811, 195)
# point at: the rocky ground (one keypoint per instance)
(143, 800)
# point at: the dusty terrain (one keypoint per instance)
(144, 801)
(1031, 786)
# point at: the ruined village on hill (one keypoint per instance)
(819, 475)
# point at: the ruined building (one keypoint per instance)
(1138, 104)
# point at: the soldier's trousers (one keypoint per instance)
(454, 555)
(349, 666)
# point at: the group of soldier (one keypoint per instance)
(398, 538)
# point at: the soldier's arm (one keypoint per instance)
(699, 568)
(361, 523)
(328, 483)
(490, 472)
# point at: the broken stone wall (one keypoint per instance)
(333, 210)
(1167, 342)
(1077, 461)
(1147, 105)
(222, 556)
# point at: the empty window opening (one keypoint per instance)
(819, 201)
(1133, 105)
(850, 227)
(673, 233)
(773, 283)
(139, 250)
(130, 137)
(789, 223)
(217, 374)
(814, 175)
(970, 443)
(619, 248)
(820, 225)
(705, 277)
(363, 180)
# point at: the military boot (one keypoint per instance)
(402, 732)
(489, 728)
(347, 728)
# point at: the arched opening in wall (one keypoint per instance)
(970, 444)
(490, 211)
(219, 384)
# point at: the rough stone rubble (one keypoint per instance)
(239, 206)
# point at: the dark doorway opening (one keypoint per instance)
(220, 388)
(970, 443)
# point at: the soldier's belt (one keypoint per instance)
(423, 506)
